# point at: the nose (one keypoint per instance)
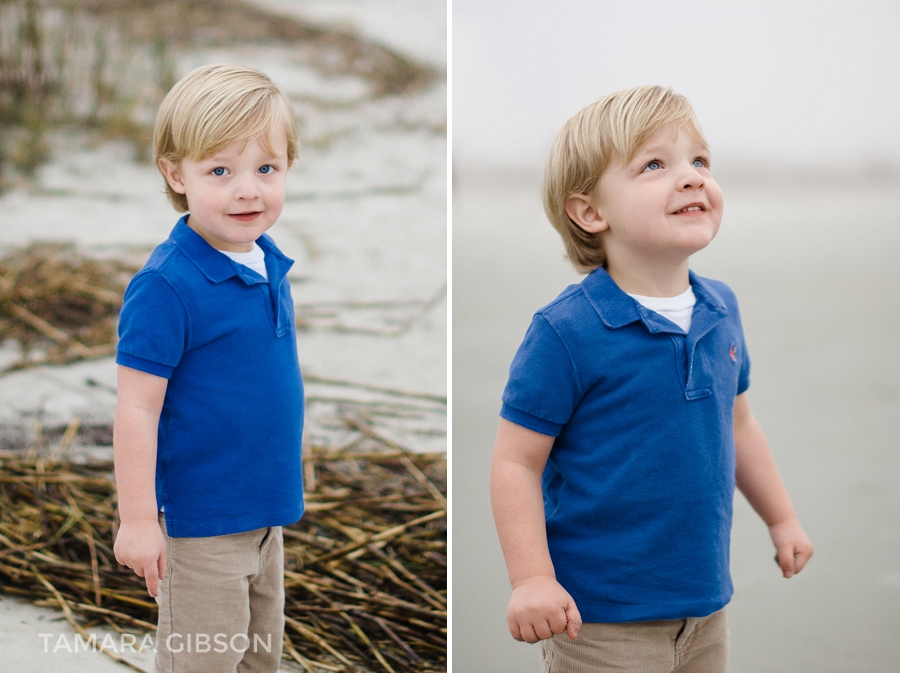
(691, 178)
(246, 188)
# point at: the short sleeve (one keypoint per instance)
(744, 375)
(542, 390)
(153, 326)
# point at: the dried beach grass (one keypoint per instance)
(61, 306)
(333, 51)
(365, 572)
(54, 299)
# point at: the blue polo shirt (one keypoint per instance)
(639, 485)
(228, 452)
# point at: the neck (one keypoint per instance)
(649, 280)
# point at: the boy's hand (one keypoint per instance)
(540, 608)
(793, 546)
(140, 545)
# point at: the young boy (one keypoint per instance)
(625, 422)
(210, 400)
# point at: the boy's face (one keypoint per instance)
(662, 206)
(236, 194)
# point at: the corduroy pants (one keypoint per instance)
(221, 605)
(693, 645)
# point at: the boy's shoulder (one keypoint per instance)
(570, 312)
(180, 266)
(160, 260)
(168, 269)
(596, 297)
(566, 302)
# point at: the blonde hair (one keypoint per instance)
(616, 126)
(215, 105)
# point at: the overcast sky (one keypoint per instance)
(789, 81)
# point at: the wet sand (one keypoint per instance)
(813, 260)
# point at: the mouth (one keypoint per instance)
(691, 208)
(248, 216)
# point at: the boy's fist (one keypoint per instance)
(140, 545)
(793, 547)
(540, 608)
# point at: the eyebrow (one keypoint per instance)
(273, 156)
(650, 149)
(659, 148)
(217, 158)
(645, 153)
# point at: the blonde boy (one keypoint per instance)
(625, 422)
(210, 400)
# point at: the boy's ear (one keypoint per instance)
(173, 176)
(582, 211)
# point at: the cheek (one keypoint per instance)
(275, 193)
(214, 200)
(718, 203)
(638, 204)
(716, 198)
(645, 209)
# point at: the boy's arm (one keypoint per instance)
(139, 543)
(539, 607)
(758, 479)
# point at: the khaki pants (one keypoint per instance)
(694, 645)
(221, 605)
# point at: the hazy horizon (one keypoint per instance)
(792, 82)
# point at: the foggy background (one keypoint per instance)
(795, 82)
(799, 102)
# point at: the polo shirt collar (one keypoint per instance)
(218, 267)
(616, 309)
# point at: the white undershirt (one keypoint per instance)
(255, 259)
(677, 309)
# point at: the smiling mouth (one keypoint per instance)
(694, 208)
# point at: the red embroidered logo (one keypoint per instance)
(732, 353)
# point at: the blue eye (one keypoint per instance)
(218, 171)
(653, 166)
(265, 170)
(699, 163)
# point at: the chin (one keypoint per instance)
(697, 244)
(246, 237)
